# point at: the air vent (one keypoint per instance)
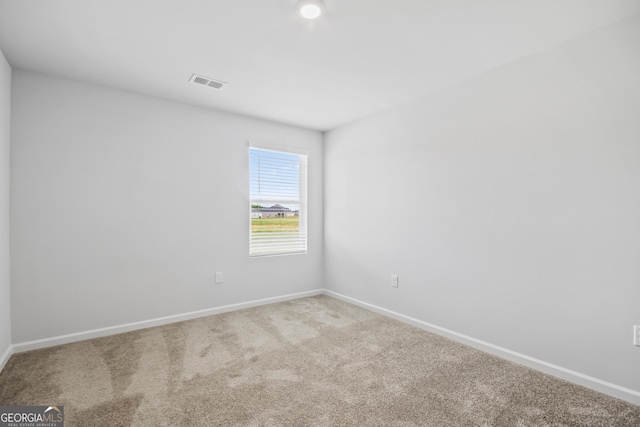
(206, 81)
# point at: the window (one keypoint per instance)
(278, 211)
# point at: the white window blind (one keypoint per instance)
(278, 193)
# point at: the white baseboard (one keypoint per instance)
(112, 330)
(596, 384)
(5, 357)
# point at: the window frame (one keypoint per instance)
(301, 234)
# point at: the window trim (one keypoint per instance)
(301, 201)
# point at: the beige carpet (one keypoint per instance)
(310, 362)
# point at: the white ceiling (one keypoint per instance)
(362, 56)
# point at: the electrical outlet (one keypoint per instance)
(394, 281)
(219, 277)
(636, 336)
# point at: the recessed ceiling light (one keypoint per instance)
(310, 9)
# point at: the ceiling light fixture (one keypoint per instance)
(310, 9)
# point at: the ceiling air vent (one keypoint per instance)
(206, 81)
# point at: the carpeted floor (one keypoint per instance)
(310, 362)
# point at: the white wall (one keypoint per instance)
(124, 207)
(508, 204)
(5, 285)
